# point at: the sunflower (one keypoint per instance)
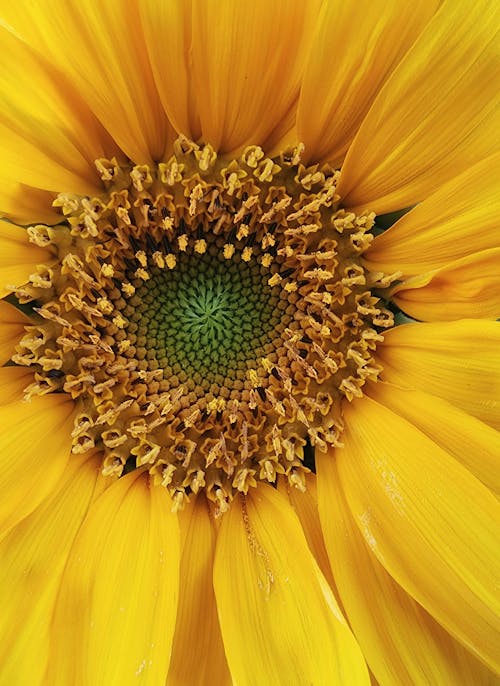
(250, 389)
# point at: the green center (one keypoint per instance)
(208, 320)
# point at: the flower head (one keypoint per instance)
(250, 393)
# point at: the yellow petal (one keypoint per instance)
(436, 115)
(457, 361)
(402, 643)
(35, 444)
(460, 218)
(115, 613)
(357, 45)
(13, 380)
(12, 323)
(33, 556)
(469, 287)
(18, 257)
(26, 205)
(50, 139)
(305, 505)
(197, 622)
(167, 31)
(472, 442)
(280, 623)
(100, 47)
(431, 524)
(247, 64)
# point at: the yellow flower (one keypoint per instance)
(248, 435)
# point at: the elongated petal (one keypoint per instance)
(33, 556)
(50, 139)
(362, 41)
(26, 205)
(456, 361)
(279, 621)
(431, 524)
(401, 641)
(247, 64)
(168, 33)
(469, 287)
(472, 442)
(460, 218)
(198, 654)
(115, 613)
(18, 257)
(35, 444)
(13, 380)
(100, 47)
(436, 115)
(305, 505)
(12, 323)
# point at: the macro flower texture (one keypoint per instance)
(250, 381)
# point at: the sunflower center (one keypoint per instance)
(208, 316)
(206, 321)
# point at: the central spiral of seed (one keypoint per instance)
(208, 316)
(206, 323)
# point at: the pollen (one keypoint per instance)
(209, 316)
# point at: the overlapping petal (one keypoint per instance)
(115, 615)
(247, 63)
(270, 591)
(33, 556)
(458, 219)
(101, 49)
(50, 138)
(469, 287)
(197, 622)
(409, 499)
(403, 644)
(436, 115)
(457, 361)
(35, 444)
(18, 257)
(359, 43)
(472, 442)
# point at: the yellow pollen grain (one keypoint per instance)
(171, 261)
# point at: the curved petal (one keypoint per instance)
(26, 205)
(13, 380)
(280, 623)
(18, 257)
(469, 287)
(33, 556)
(115, 613)
(247, 65)
(168, 36)
(472, 442)
(457, 361)
(402, 643)
(460, 218)
(197, 621)
(12, 323)
(50, 138)
(362, 41)
(100, 47)
(430, 523)
(437, 114)
(35, 444)
(305, 504)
